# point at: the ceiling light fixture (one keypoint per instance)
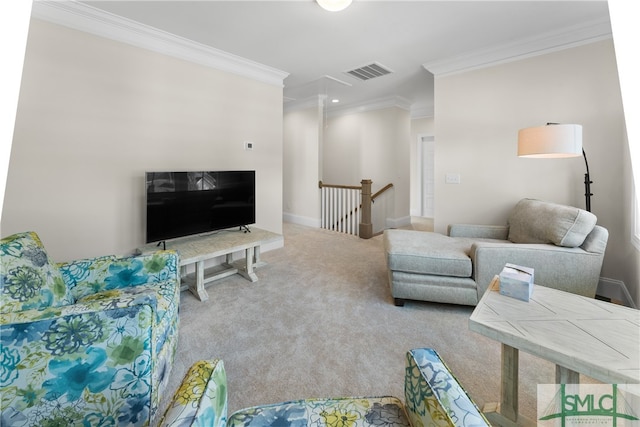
(334, 5)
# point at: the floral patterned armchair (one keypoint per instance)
(201, 399)
(88, 342)
(433, 398)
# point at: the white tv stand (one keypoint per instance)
(198, 249)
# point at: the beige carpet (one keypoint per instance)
(321, 322)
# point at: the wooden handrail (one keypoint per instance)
(355, 187)
(365, 225)
(382, 190)
(348, 187)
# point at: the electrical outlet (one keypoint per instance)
(452, 178)
(248, 145)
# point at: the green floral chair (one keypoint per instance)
(85, 343)
(201, 400)
(433, 398)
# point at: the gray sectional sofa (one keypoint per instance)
(562, 243)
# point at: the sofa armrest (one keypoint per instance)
(88, 276)
(433, 395)
(105, 301)
(498, 232)
(201, 399)
(83, 352)
(568, 269)
(597, 240)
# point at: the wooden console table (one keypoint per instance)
(198, 249)
(578, 334)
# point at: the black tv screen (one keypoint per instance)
(184, 203)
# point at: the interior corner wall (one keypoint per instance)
(478, 115)
(302, 145)
(373, 144)
(95, 114)
(631, 256)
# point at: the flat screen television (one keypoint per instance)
(180, 204)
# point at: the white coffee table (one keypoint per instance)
(197, 250)
(578, 334)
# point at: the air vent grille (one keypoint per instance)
(368, 72)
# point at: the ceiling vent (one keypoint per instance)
(368, 72)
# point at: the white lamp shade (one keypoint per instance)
(334, 5)
(553, 140)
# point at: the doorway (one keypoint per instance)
(426, 172)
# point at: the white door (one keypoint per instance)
(427, 171)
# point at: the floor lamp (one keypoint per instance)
(552, 141)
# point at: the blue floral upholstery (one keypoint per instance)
(109, 277)
(201, 400)
(85, 343)
(29, 280)
(341, 412)
(433, 398)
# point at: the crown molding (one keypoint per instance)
(316, 101)
(422, 112)
(377, 104)
(333, 111)
(83, 17)
(574, 36)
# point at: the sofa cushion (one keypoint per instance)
(28, 279)
(166, 296)
(535, 221)
(332, 412)
(428, 253)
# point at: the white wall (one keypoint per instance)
(478, 114)
(630, 258)
(302, 145)
(95, 114)
(372, 145)
(625, 34)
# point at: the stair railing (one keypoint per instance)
(339, 208)
(347, 208)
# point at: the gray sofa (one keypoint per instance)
(562, 243)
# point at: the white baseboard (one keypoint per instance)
(615, 290)
(301, 220)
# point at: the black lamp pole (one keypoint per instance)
(587, 184)
(587, 179)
